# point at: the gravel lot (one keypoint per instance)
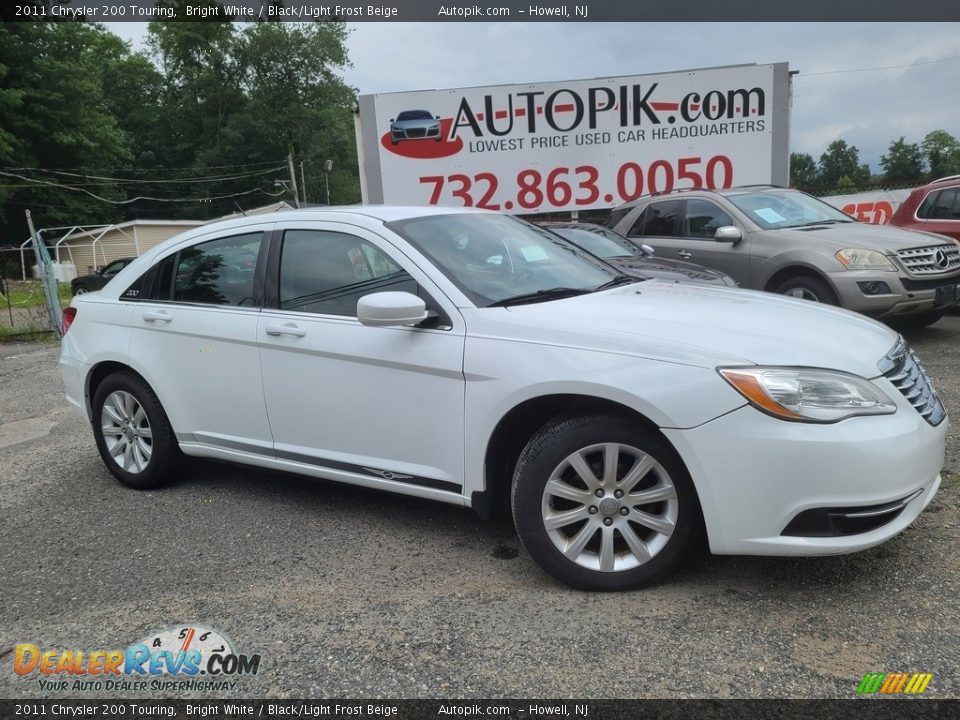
(350, 593)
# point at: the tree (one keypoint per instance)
(803, 172)
(842, 160)
(55, 117)
(942, 153)
(902, 163)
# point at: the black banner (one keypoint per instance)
(874, 709)
(488, 11)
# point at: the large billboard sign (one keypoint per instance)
(576, 145)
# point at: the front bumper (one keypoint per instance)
(755, 474)
(904, 298)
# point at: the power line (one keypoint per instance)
(139, 169)
(139, 197)
(199, 179)
(887, 67)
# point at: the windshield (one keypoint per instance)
(597, 243)
(493, 258)
(775, 209)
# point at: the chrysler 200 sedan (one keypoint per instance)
(469, 357)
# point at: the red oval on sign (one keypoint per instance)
(425, 148)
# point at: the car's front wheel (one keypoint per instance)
(132, 432)
(603, 504)
(79, 289)
(808, 288)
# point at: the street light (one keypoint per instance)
(327, 167)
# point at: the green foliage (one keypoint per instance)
(902, 163)
(839, 161)
(942, 152)
(803, 172)
(207, 99)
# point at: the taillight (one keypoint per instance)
(69, 315)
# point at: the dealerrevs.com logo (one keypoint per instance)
(180, 657)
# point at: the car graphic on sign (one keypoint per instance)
(415, 125)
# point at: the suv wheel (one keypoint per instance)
(602, 504)
(808, 288)
(132, 432)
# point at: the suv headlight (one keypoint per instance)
(863, 259)
(808, 395)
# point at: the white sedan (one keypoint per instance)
(471, 358)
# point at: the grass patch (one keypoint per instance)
(29, 293)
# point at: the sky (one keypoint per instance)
(866, 83)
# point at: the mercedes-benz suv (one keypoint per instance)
(788, 242)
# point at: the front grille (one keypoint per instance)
(930, 260)
(902, 367)
(416, 132)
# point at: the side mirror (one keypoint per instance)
(392, 120)
(728, 233)
(383, 309)
(647, 250)
(437, 117)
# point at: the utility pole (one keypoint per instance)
(303, 184)
(293, 180)
(327, 167)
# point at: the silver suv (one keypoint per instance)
(785, 241)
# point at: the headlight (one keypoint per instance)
(863, 259)
(806, 395)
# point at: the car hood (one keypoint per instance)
(665, 269)
(873, 237)
(699, 325)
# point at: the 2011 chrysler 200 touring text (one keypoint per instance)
(467, 357)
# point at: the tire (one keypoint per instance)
(80, 290)
(143, 453)
(807, 287)
(918, 320)
(613, 542)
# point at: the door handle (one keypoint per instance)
(285, 329)
(160, 316)
(684, 254)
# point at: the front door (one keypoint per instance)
(377, 406)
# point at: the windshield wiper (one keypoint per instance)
(823, 222)
(618, 280)
(540, 296)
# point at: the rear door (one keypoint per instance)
(195, 339)
(377, 406)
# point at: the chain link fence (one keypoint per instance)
(23, 305)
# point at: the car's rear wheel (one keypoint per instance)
(603, 504)
(132, 432)
(806, 287)
(79, 289)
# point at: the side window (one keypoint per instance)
(637, 227)
(327, 272)
(661, 220)
(702, 218)
(946, 207)
(218, 272)
(926, 207)
(617, 215)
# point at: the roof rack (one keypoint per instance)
(944, 179)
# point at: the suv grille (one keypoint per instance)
(902, 367)
(930, 260)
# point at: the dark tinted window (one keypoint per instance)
(218, 272)
(617, 215)
(942, 205)
(327, 272)
(660, 219)
(637, 227)
(163, 279)
(702, 218)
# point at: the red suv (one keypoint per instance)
(934, 208)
